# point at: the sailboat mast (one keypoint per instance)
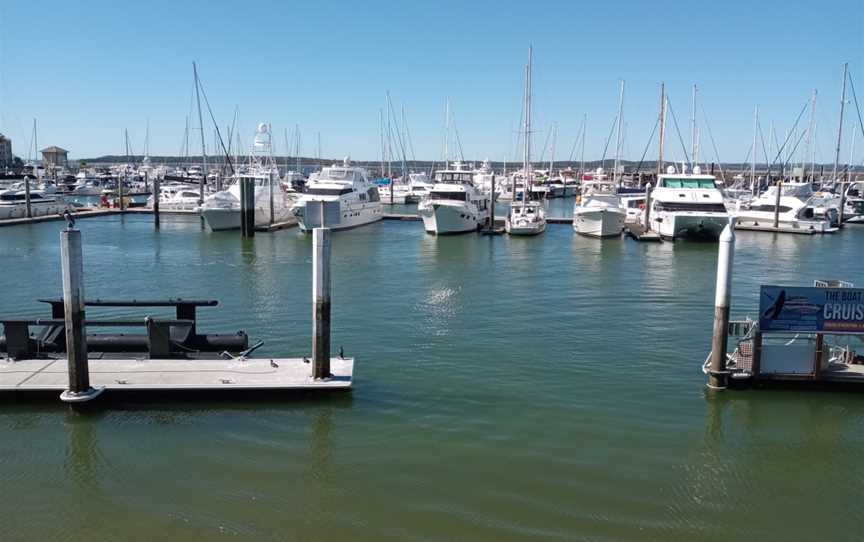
(753, 161)
(554, 138)
(381, 130)
(446, 133)
(810, 127)
(203, 179)
(527, 164)
(662, 128)
(840, 126)
(297, 148)
(693, 131)
(582, 156)
(851, 156)
(618, 132)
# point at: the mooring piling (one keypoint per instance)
(718, 373)
(777, 205)
(156, 193)
(247, 207)
(272, 206)
(72, 264)
(841, 218)
(28, 208)
(647, 214)
(321, 303)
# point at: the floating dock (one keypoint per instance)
(90, 213)
(639, 232)
(139, 374)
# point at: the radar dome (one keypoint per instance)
(262, 128)
(670, 170)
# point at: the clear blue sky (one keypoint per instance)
(87, 70)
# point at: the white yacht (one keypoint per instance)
(687, 206)
(394, 192)
(598, 212)
(797, 211)
(177, 197)
(483, 177)
(221, 210)
(854, 209)
(343, 194)
(454, 205)
(419, 186)
(13, 204)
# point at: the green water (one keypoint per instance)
(506, 389)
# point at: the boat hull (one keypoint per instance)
(600, 223)
(692, 226)
(349, 217)
(443, 219)
(534, 228)
(746, 222)
(36, 209)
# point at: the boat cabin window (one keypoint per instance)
(453, 177)
(687, 183)
(373, 194)
(338, 174)
(458, 196)
(328, 191)
(770, 208)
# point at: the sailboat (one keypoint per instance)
(526, 217)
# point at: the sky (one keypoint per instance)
(89, 70)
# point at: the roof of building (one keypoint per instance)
(53, 149)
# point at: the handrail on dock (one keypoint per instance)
(141, 302)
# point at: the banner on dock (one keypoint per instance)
(829, 310)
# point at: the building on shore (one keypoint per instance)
(54, 157)
(6, 158)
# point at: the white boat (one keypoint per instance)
(419, 186)
(177, 197)
(598, 211)
(854, 209)
(797, 211)
(13, 204)
(344, 196)
(454, 205)
(221, 210)
(527, 217)
(394, 192)
(687, 206)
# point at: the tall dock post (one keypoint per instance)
(777, 205)
(72, 264)
(647, 214)
(321, 303)
(156, 193)
(272, 210)
(247, 207)
(28, 208)
(718, 372)
(841, 218)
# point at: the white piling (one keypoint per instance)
(726, 253)
(72, 263)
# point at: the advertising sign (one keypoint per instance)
(829, 310)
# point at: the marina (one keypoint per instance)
(431, 273)
(450, 305)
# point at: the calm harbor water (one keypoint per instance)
(506, 389)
